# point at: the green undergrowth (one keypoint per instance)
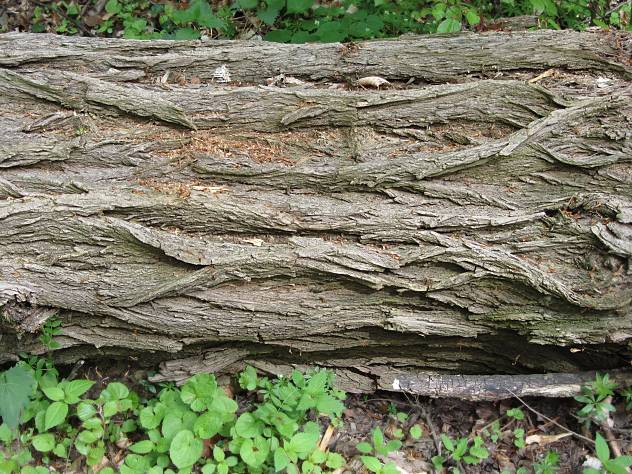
(300, 21)
(255, 425)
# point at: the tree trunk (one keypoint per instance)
(474, 216)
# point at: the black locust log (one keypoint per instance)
(210, 204)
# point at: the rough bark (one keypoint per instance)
(478, 227)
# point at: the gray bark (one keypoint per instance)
(478, 227)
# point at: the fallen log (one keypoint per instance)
(480, 226)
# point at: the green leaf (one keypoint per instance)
(298, 6)
(329, 406)
(447, 442)
(268, 16)
(449, 25)
(601, 448)
(116, 391)
(16, 387)
(208, 468)
(55, 394)
(207, 425)
(113, 7)
(110, 408)
(218, 454)
(613, 467)
(371, 463)
(278, 36)
(472, 18)
(60, 451)
(171, 424)
(85, 411)
(44, 442)
(254, 452)
(87, 437)
(364, 447)
(76, 388)
(392, 445)
(281, 459)
(479, 452)
(438, 11)
(185, 449)
(248, 378)
(247, 426)
(416, 432)
(150, 417)
(6, 435)
(95, 455)
(516, 413)
(304, 443)
(247, 5)
(335, 461)
(142, 447)
(55, 415)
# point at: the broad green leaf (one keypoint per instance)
(328, 405)
(278, 36)
(113, 7)
(110, 408)
(247, 5)
(44, 442)
(472, 18)
(371, 463)
(393, 445)
(150, 417)
(60, 450)
(449, 25)
(281, 459)
(254, 452)
(95, 455)
(247, 426)
(335, 461)
(601, 448)
(116, 391)
(85, 411)
(16, 387)
(298, 6)
(87, 437)
(364, 447)
(142, 447)
(171, 424)
(185, 449)
(304, 443)
(207, 425)
(415, 431)
(55, 394)
(76, 388)
(55, 415)
(6, 435)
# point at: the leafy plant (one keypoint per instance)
(461, 451)
(595, 396)
(549, 464)
(51, 328)
(300, 21)
(379, 447)
(617, 465)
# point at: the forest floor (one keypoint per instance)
(518, 433)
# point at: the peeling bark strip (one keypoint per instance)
(478, 227)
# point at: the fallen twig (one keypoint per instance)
(529, 407)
